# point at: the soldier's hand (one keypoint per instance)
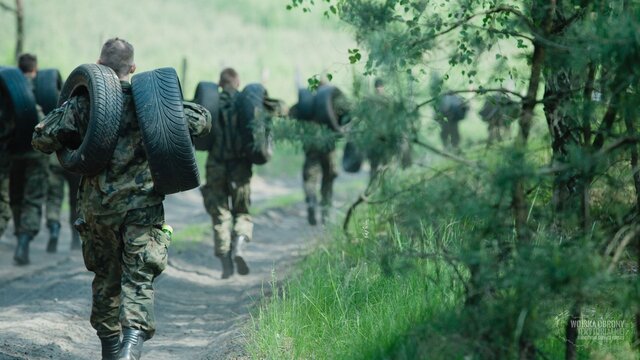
(69, 139)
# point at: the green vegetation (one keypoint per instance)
(348, 304)
(249, 35)
(532, 245)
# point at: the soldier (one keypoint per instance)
(55, 194)
(121, 214)
(5, 207)
(379, 156)
(389, 144)
(227, 192)
(450, 110)
(319, 147)
(27, 197)
(498, 112)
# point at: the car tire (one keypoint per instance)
(102, 87)
(165, 133)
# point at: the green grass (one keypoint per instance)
(249, 35)
(345, 303)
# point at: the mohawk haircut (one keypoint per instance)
(118, 55)
(27, 63)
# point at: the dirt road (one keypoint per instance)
(45, 307)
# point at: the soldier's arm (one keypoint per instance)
(198, 119)
(60, 128)
(275, 107)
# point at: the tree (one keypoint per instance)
(583, 55)
(18, 10)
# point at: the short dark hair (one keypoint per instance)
(378, 83)
(27, 62)
(117, 54)
(227, 77)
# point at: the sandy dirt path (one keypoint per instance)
(45, 307)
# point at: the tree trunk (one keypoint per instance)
(528, 104)
(557, 92)
(19, 28)
(629, 118)
(571, 332)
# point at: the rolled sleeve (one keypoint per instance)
(198, 119)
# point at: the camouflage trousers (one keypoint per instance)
(5, 207)
(55, 192)
(319, 167)
(28, 191)
(227, 197)
(126, 252)
(449, 134)
(381, 159)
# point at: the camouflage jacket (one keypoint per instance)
(126, 182)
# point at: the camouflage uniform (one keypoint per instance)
(498, 112)
(450, 110)
(121, 216)
(55, 194)
(388, 142)
(319, 166)
(28, 186)
(227, 193)
(5, 208)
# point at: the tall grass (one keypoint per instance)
(351, 300)
(249, 35)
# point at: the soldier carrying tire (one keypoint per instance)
(119, 135)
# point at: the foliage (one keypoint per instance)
(538, 237)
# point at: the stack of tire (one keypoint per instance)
(158, 101)
(253, 121)
(19, 116)
(208, 95)
(329, 107)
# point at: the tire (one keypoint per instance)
(305, 104)
(207, 95)
(330, 107)
(352, 158)
(18, 110)
(254, 124)
(47, 87)
(165, 134)
(102, 86)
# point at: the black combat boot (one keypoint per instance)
(227, 265)
(54, 234)
(110, 347)
(237, 250)
(75, 240)
(132, 341)
(21, 256)
(311, 209)
(311, 216)
(325, 215)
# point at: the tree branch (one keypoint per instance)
(6, 7)
(447, 155)
(476, 91)
(457, 24)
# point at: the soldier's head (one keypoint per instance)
(229, 79)
(28, 64)
(118, 55)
